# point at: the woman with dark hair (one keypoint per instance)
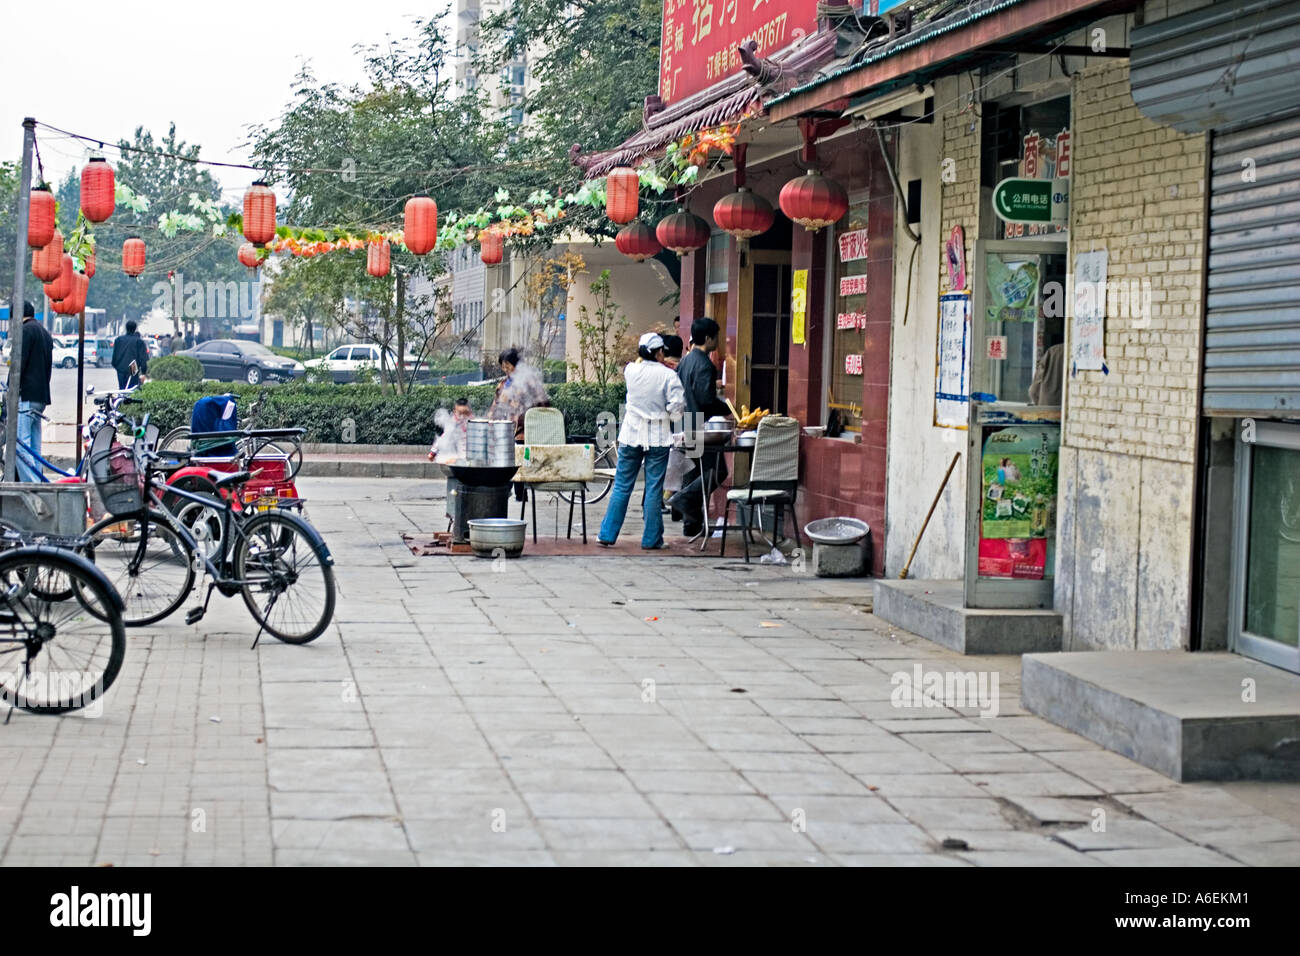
(521, 389)
(655, 399)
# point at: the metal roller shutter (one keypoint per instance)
(1252, 342)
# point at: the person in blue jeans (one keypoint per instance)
(655, 400)
(33, 393)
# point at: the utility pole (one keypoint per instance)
(17, 301)
(81, 379)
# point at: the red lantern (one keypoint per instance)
(90, 264)
(75, 300)
(622, 194)
(97, 190)
(378, 259)
(40, 217)
(814, 201)
(248, 255)
(491, 247)
(637, 241)
(47, 262)
(420, 225)
(743, 214)
(682, 232)
(60, 287)
(133, 256)
(259, 214)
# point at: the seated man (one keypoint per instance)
(700, 380)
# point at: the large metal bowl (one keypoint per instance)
(490, 536)
(837, 530)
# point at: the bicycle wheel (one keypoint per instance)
(598, 487)
(291, 450)
(178, 439)
(56, 656)
(149, 562)
(286, 577)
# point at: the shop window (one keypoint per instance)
(847, 329)
(1029, 141)
(719, 246)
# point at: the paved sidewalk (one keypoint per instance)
(605, 710)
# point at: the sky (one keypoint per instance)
(102, 69)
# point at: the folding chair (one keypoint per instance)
(773, 479)
(545, 426)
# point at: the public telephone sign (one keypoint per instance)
(699, 38)
(1032, 200)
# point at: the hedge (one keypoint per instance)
(380, 418)
(176, 368)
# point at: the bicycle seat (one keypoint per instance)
(234, 478)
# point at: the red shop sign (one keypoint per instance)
(853, 285)
(699, 38)
(853, 245)
(853, 365)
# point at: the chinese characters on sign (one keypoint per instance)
(853, 246)
(699, 38)
(851, 320)
(1088, 336)
(853, 365)
(853, 285)
(997, 347)
(952, 363)
(799, 307)
(1048, 159)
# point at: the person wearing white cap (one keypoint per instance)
(655, 400)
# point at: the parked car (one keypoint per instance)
(68, 343)
(346, 360)
(229, 360)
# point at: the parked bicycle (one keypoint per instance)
(249, 438)
(273, 558)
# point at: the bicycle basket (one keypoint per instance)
(116, 476)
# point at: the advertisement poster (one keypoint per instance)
(1018, 513)
(1012, 289)
(799, 307)
(952, 362)
(1088, 336)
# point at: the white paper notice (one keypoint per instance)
(1088, 333)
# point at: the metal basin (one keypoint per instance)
(488, 536)
(837, 530)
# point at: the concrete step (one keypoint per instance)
(933, 610)
(1190, 716)
(369, 466)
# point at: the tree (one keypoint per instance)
(592, 62)
(545, 295)
(351, 157)
(603, 342)
(9, 173)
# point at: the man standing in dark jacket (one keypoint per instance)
(700, 380)
(33, 392)
(127, 349)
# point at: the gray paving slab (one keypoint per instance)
(455, 716)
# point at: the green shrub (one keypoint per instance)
(176, 368)
(380, 418)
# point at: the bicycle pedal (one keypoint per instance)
(195, 614)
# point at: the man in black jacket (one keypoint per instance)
(33, 392)
(127, 349)
(700, 380)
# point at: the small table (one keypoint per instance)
(728, 448)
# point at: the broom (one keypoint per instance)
(917, 543)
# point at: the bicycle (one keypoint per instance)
(276, 560)
(68, 637)
(182, 438)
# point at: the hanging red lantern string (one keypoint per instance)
(247, 255)
(491, 247)
(75, 300)
(743, 215)
(133, 256)
(814, 201)
(622, 194)
(97, 190)
(90, 264)
(62, 286)
(378, 258)
(420, 225)
(40, 217)
(637, 241)
(259, 214)
(682, 232)
(47, 262)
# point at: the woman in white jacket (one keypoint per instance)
(655, 399)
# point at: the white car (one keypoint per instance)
(65, 351)
(346, 360)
